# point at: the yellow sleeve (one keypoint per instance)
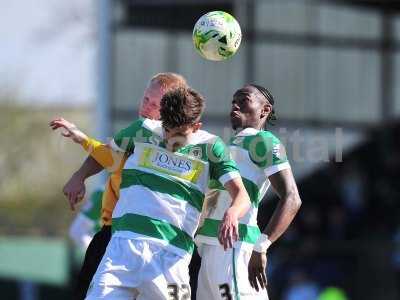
(103, 154)
(111, 195)
(109, 201)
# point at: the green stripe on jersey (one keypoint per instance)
(247, 233)
(235, 284)
(92, 208)
(162, 184)
(252, 190)
(264, 148)
(216, 154)
(154, 228)
(135, 132)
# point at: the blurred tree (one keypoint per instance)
(34, 165)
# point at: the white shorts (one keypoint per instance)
(224, 275)
(139, 269)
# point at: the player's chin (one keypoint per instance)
(236, 121)
(145, 114)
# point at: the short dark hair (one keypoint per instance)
(181, 106)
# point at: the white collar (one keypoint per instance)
(247, 131)
(154, 126)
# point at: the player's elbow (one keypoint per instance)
(293, 199)
(296, 202)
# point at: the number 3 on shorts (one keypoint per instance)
(178, 293)
(225, 291)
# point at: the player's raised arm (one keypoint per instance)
(102, 153)
(75, 189)
(71, 131)
(229, 230)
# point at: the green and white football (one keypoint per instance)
(217, 35)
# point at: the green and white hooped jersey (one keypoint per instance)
(162, 192)
(92, 208)
(258, 154)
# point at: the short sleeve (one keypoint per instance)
(124, 140)
(267, 151)
(222, 166)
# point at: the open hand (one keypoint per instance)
(229, 229)
(71, 131)
(74, 190)
(256, 268)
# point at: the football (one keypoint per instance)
(217, 36)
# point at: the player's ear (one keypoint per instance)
(266, 110)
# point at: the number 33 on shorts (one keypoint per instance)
(176, 292)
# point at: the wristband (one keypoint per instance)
(262, 244)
